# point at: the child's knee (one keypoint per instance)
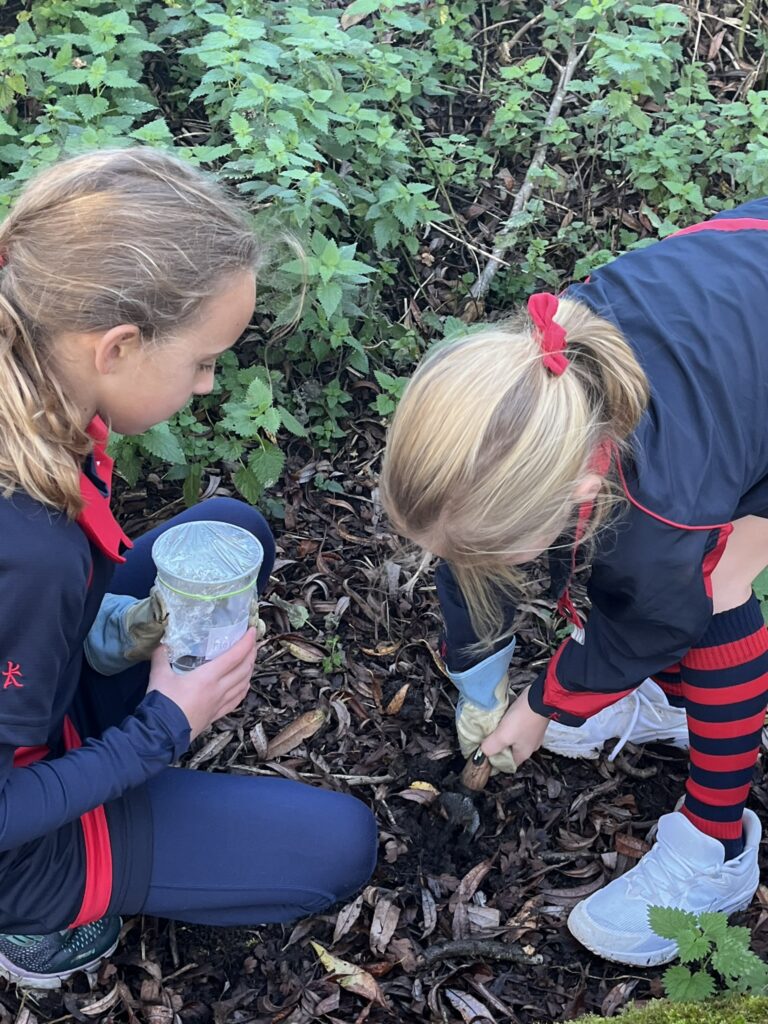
(239, 513)
(353, 832)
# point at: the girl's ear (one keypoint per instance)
(115, 348)
(589, 487)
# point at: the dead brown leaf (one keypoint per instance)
(385, 918)
(351, 977)
(472, 1010)
(394, 706)
(296, 732)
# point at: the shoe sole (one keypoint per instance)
(593, 753)
(634, 959)
(46, 982)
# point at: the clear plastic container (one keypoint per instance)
(206, 574)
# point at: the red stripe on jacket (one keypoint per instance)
(98, 849)
(574, 703)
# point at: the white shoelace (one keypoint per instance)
(657, 873)
(639, 700)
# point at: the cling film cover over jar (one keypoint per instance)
(206, 574)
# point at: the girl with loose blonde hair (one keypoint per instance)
(630, 412)
(125, 274)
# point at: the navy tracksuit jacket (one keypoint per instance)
(694, 308)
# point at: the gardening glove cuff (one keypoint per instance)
(107, 642)
(144, 625)
(478, 685)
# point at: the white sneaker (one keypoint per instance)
(685, 869)
(643, 716)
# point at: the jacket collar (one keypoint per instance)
(96, 519)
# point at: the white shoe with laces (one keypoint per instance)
(685, 869)
(643, 716)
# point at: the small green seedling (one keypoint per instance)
(717, 951)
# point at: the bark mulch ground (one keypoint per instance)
(464, 919)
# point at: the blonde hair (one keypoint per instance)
(134, 236)
(487, 447)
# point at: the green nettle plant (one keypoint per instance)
(366, 131)
(712, 953)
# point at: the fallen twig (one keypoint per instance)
(483, 283)
(351, 780)
(481, 948)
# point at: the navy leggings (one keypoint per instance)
(232, 849)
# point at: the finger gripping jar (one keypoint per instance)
(206, 574)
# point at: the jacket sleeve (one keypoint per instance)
(649, 606)
(44, 566)
(42, 797)
(475, 676)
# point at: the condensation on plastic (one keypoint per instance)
(206, 574)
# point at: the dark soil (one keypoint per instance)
(489, 871)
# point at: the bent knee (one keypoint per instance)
(352, 838)
(744, 558)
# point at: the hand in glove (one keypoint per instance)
(519, 732)
(145, 621)
(484, 701)
(474, 724)
(144, 624)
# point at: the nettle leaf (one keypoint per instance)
(692, 945)
(192, 481)
(267, 464)
(249, 485)
(714, 925)
(329, 295)
(290, 422)
(155, 133)
(670, 922)
(91, 107)
(258, 397)
(733, 956)
(5, 128)
(240, 419)
(361, 8)
(127, 459)
(684, 986)
(160, 442)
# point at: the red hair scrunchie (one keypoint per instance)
(550, 335)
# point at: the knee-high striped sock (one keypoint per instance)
(669, 681)
(725, 687)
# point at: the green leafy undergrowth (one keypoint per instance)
(712, 954)
(381, 133)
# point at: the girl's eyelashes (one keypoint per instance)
(206, 367)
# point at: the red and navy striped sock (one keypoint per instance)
(725, 687)
(669, 681)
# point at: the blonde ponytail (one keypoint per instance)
(487, 447)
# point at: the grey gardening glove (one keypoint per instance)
(144, 625)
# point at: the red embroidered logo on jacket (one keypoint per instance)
(11, 676)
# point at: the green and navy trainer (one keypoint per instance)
(43, 961)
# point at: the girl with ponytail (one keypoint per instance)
(125, 274)
(621, 424)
